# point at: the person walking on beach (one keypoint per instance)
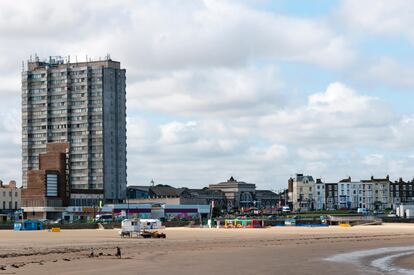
(118, 252)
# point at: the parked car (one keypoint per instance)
(44, 221)
(392, 214)
(103, 218)
(363, 211)
(58, 221)
(286, 209)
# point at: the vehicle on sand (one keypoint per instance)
(153, 234)
(140, 228)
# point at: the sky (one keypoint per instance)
(254, 89)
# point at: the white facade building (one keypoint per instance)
(377, 193)
(10, 197)
(302, 192)
(373, 194)
(348, 193)
(319, 195)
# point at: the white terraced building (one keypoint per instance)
(319, 195)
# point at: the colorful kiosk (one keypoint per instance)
(243, 223)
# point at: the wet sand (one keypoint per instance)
(406, 262)
(275, 250)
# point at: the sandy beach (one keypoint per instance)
(273, 250)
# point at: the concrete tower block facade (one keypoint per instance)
(83, 104)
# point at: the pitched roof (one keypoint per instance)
(269, 192)
(164, 191)
(231, 181)
(266, 194)
(301, 177)
(202, 192)
(144, 188)
(387, 178)
(208, 191)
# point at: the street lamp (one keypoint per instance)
(128, 207)
(12, 207)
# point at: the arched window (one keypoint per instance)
(246, 197)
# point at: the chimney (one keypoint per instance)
(12, 184)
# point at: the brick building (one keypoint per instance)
(331, 195)
(47, 192)
(401, 192)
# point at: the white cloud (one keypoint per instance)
(215, 71)
(403, 132)
(10, 144)
(270, 154)
(373, 160)
(386, 70)
(142, 136)
(337, 116)
(178, 133)
(213, 92)
(204, 139)
(378, 16)
(154, 36)
(326, 137)
(313, 154)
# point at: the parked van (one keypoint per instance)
(103, 218)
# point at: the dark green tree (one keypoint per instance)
(216, 211)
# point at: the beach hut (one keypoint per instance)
(28, 225)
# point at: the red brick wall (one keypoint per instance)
(54, 161)
(34, 194)
(57, 147)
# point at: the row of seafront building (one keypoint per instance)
(306, 194)
(227, 195)
(164, 201)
